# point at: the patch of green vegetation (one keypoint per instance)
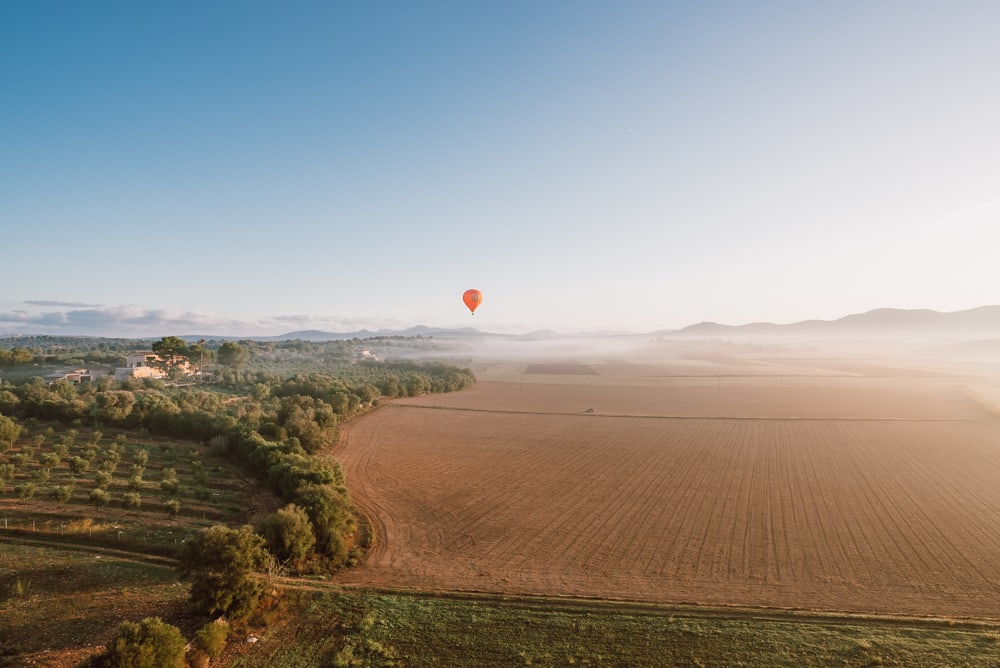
(56, 600)
(368, 629)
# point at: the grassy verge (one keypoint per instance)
(370, 629)
(59, 606)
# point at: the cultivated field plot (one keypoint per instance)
(514, 488)
(741, 396)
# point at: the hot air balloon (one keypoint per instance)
(472, 299)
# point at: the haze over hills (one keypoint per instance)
(976, 323)
(884, 323)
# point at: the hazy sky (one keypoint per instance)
(259, 167)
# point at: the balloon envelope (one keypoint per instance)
(472, 299)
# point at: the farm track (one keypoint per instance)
(579, 605)
(747, 418)
(19, 538)
(887, 515)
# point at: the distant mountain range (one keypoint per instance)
(977, 323)
(981, 322)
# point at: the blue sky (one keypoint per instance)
(260, 167)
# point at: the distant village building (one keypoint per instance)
(74, 376)
(365, 355)
(138, 365)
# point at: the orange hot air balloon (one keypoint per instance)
(472, 299)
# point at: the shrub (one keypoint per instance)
(173, 507)
(62, 493)
(78, 465)
(132, 499)
(25, 491)
(48, 460)
(100, 497)
(211, 638)
(151, 643)
(169, 486)
(102, 479)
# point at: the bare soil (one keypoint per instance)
(834, 493)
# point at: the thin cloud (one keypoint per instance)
(327, 323)
(138, 322)
(117, 321)
(981, 212)
(47, 302)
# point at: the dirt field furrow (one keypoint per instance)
(514, 488)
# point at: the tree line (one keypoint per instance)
(274, 426)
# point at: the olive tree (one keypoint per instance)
(223, 566)
(9, 432)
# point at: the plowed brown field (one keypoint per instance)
(864, 495)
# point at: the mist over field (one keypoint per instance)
(961, 348)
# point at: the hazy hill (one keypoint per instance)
(976, 323)
(884, 323)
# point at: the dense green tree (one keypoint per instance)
(223, 565)
(113, 405)
(16, 357)
(311, 421)
(329, 511)
(232, 355)
(9, 402)
(152, 643)
(289, 535)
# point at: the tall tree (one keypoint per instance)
(171, 353)
(223, 565)
(9, 431)
(289, 535)
(232, 355)
(199, 354)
